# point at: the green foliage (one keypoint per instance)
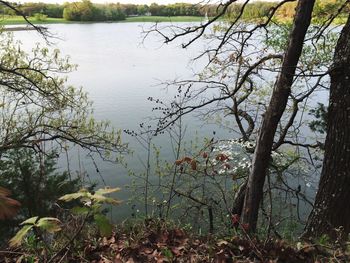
(40, 17)
(168, 254)
(18, 238)
(88, 213)
(323, 240)
(323, 9)
(252, 11)
(38, 105)
(86, 11)
(177, 9)
(48, 224)
(320, 123)
(103, 224)
(92, 206)
(88, 198)
(34, 181)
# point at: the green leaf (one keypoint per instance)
(18, 238)
(103, 224)
(167, 253)
(107, 190)
(69, 197)
(50, 224)
(80, 210)
(30, 221)
(106, 200)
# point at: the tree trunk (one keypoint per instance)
(332, 209)
(239, 200)
(279, 99)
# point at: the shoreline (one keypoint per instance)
(140, 19)
(16, 24)
(22, 28)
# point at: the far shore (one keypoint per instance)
(17, 20)
(22, 28)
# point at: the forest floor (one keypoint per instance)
(157, 242)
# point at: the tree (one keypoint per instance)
(331, 212)
(273, 114)
(79, 11)
(235, 80)
(233, 57)
(142, 9)
(35, 183)
(38, 106)
(86, 11)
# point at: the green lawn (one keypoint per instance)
(17, 20)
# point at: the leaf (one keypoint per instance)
(50, 224)
(187, 159)
(30, 221)
(235, 219)
(107, 190)
(245, 226)
(179, 162)
(18, 238)
(194, 165)
(80, 210)
(69, 197)
(167, 253)
(104, 199)
(8, 206)
(103, 224)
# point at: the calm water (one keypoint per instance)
(120, 71)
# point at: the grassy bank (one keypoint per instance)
(18, 20)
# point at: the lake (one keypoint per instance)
(120, 71)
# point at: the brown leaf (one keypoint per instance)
(222, 243)
(177, 251)
(194, 165)
(8, 206)
(118, 259)
(187, 159)
(178, 162)
(146, 250)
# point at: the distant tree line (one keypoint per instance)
(87, 11)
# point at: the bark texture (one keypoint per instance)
(278, 102)
(332, 208)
